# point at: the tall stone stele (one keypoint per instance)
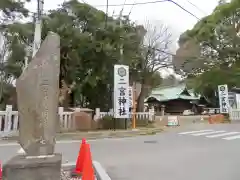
(37, 93)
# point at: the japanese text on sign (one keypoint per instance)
(121, 91)
(223, 98)
(122, 101)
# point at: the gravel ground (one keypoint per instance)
(66, 175)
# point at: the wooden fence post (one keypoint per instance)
(8, 120)
(97, 114)
(60, 115)
(111, 112)
(151, 114)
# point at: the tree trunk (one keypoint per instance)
(141, 97)
(66, 101)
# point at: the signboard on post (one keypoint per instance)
(173, 121)
(238, 100)
(223, 98)
(121, 91)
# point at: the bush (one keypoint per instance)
(106, 122)
(142, 123)
(109, 122)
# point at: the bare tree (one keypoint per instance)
(156, 43)
(155, 55)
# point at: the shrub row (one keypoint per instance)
(109, 122)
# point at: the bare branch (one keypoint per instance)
(156, 42)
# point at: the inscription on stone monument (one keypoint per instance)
(37, 95)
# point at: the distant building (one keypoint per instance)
(175, 99)
(234, 97)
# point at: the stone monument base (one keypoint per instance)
(33, 168)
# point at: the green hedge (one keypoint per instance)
(108, 122)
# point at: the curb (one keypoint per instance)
(97, 135)
(111, 134)
(68, 166)
(101, 173)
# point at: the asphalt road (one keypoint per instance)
(168, 156)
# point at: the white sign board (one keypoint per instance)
(238, 101)
(131, 98)
(121, 91)
(223, 98)
(173, 121)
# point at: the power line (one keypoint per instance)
(184, 9)
(130, 4)
(196, 7)
(132, 8)
(144, 3)
(150, 2)
(106, 18)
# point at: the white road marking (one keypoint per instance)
(206, 133)
(191, 132)
(8, 144)
(21, 151)
(232, 137)
(223, 134)
(209, 133)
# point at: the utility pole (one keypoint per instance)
(38, 30)
(121, 46)
(38, 27)
(121, 50)
(134, 84)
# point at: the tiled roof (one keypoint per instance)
(172, 92)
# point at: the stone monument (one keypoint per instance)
(37, 95)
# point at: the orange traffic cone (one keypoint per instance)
(80, 159)
(0, 171)
(88, 171)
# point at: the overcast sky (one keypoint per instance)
(173, 16)
(167, 12)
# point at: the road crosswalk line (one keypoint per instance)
(206, 133)
(191, 132)
(209, 133)
(223, 134)
(232, 137)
